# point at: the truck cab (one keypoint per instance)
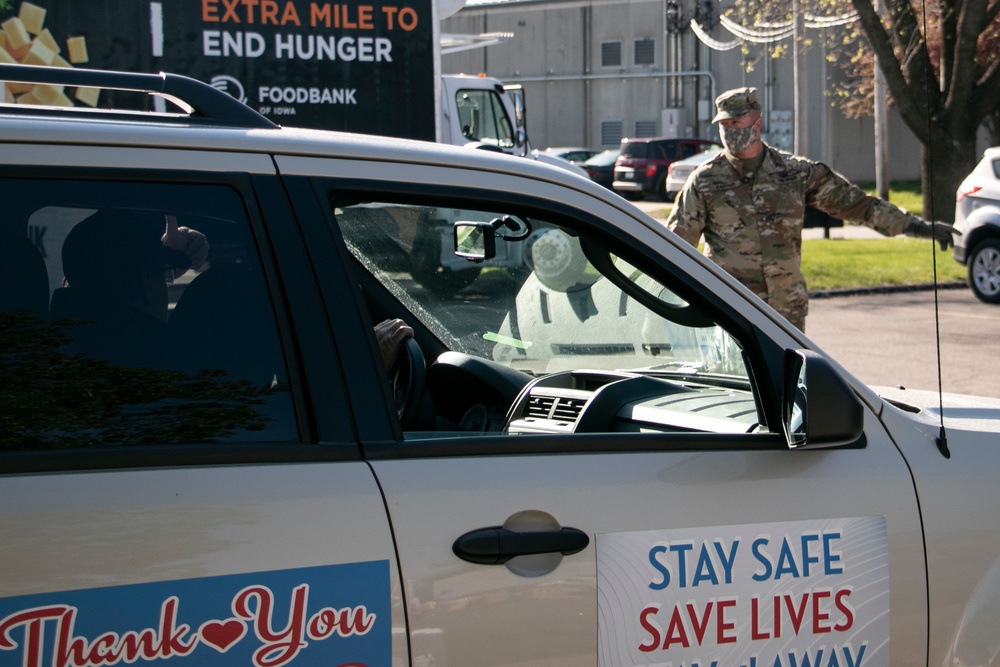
(481, 110)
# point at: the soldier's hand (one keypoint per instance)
(942, 232)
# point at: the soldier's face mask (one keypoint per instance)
(738, 139)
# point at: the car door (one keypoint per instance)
(163, 493)
(527, 538)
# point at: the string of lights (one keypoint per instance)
(766, 33)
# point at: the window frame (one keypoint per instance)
(251, 189)
(381, 440)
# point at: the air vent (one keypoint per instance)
(540, 407)
(555, 408)
(568, 409)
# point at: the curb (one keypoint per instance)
(884, 289)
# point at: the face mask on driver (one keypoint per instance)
(738, 139)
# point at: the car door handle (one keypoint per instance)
(497, 545)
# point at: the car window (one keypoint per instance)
(566, 345)
(108, 340)
(635, 149)
(483, 117)
(687, 150)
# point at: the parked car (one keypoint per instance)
(641, 168)
(574, 154)
(977, 217)
(601, 167)
(678, 171)
(621, 457)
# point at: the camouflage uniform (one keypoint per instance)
(752, 222)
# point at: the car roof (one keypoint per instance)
(251, 134)
(156, 133)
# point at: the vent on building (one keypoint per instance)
(611, 54)
(645, 51)
(611, 132)
(645, 128)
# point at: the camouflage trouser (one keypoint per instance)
(794, 313)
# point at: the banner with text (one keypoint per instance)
(790, 594)
(354, 65)
(324, 616)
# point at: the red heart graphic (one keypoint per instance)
(220, 635)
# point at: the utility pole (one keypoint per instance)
(799, 85)
(881, 126)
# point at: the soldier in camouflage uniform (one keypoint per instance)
(750, 201)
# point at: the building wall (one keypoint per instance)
(556, 54)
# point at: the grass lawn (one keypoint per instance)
(845, 263)
(858, 263)
(851, 263)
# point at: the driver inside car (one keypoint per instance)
(390, 334)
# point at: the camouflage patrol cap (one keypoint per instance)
(736, 103)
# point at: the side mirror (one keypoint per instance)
(819, 408)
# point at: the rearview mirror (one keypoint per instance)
(475, 241)
(819, 408)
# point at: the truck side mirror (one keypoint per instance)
(819, 408)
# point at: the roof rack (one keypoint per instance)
(198, 99)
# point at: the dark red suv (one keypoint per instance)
(642, 166)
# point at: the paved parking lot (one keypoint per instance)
(889, 339)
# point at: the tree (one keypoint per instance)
(941, 61)
(944, 79)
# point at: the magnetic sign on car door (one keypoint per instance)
(330, 615)
(785, 594)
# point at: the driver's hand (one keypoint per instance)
(191, 241)
(390, 334)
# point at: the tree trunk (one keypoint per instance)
(945, 162)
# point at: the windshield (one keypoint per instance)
(484, 117)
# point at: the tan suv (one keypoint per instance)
(619, 457)
(641, 169)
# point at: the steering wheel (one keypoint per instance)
(408, 380)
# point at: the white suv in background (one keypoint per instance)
(977, 217)
(618, 457)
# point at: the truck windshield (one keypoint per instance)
(484, 118)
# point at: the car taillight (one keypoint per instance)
(651, 170)
(670, 169)
(965, 192)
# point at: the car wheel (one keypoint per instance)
(984, 271)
